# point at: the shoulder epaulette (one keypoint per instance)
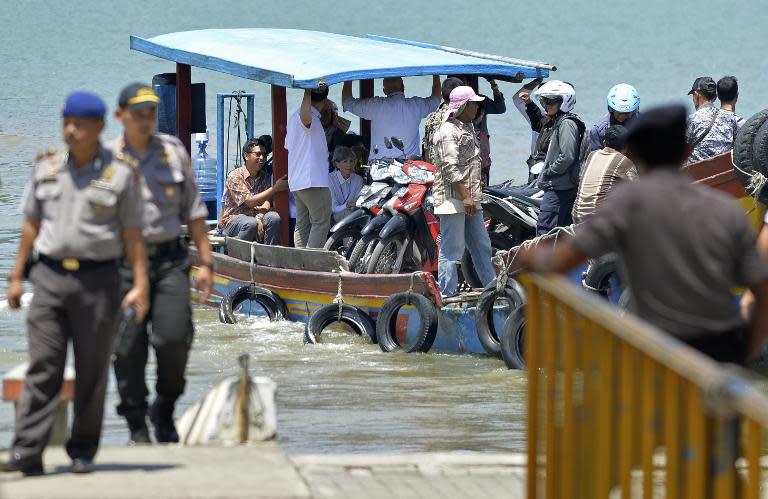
(51, 151)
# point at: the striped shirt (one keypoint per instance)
(602, 170)
(457, 159)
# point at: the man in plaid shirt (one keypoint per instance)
(457, 192)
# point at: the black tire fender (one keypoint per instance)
(512, 340)
(386, 324)
(360, 322)
(269, 301)
(745, 156)
(514, 294)
(760, 149)
(597, 272)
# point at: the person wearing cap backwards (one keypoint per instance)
(457, 192)
(308, 169)
(684, 246)
(711, 131)
(171, 198)
(82, 211)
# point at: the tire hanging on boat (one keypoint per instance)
(386, 324)
(512, 340)
(596, 277)
(514, 294)
(272, 304)
(750, 153)
(360, 322)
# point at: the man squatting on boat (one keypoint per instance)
(703, 246)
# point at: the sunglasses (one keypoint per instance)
(546, 101)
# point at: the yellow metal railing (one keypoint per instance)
(617, 408)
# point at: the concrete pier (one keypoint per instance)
(264, 471)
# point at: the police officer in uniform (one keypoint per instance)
(82, 211)
(171, 198)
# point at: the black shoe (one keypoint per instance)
(29, 466)
(140, 436)
(82, 465)
(161, 416)
(137, 425)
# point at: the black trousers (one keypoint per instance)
(80, 306)
(167, 327)
(731, 346)
(555, 210)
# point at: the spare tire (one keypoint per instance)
(746, 156)
(386, 324)
(269, 301)
(597, 276)
(514, 294)
(760, 149)
(360, 322)
(512, 346)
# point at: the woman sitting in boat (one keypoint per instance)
(345, 185)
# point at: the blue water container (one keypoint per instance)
(204, 167)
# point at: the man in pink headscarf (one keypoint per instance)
(457, 192)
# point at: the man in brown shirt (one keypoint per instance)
(246, 211)
(684, 246)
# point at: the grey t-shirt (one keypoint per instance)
(82, 210)
(168, 186)
(684, 247)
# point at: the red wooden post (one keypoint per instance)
(184, 104)
(280, 156)
(366, 90)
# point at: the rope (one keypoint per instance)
(756, 183)
(339, 299)
(505, 259)
(253, 258)
(237, 124)
(410, 289)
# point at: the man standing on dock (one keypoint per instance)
(711, 130)
(171, 198)
(684, 246)
(393, 115)
(82, 211)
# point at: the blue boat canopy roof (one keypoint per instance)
(301, 59)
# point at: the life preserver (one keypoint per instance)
(386, 324)
(750, 150)
(512, 346)
(360, 322)
(269, 301)
(514, 294)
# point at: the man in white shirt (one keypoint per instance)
(394, 115)
(308, 170)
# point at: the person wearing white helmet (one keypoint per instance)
(559, 178)
(623, 105)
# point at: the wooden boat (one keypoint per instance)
(307, 280)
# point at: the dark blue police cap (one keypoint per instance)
(84, 105)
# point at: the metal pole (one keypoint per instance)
(221, 168)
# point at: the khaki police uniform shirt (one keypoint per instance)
(168, 187)
(82, 210)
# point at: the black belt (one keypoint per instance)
(165, 249)
(75, 264)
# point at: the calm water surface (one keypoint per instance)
(348, 396)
